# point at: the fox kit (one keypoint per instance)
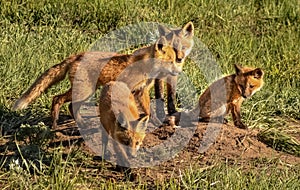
(239, 86)
(89, 70)
(120, 117)
(125, 104)
(183, 43)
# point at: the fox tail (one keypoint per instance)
(50, 77)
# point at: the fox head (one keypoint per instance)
(171, 49)
(248, 80)
(181, 40)
(131, 133)
(165, 58)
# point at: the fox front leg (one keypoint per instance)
(142, 98)
(159, 98)
(236, 116)
(171, 93)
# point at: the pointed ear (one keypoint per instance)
(163, 31)
(122, 121)
(188, 30)
(160, 43)
(258, 73)
(143, 123)
(238, 69)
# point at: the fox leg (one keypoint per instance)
(236, 116)
(123, 163)
(159, 98)
(57, 102)
(104, 142)
(74, 110)
(218, 115)
(171, 93)
(143, 100)
(79, 95)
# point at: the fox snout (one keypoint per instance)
(133, 152)
(179, 60)
(244, 93)
(180, 57)
(245, 96)
(133, 149)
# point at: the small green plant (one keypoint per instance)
(38, 134)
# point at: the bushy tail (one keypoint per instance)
(50, 77)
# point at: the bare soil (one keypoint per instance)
(207, 145)
(203, 145)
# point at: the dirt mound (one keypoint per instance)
(197, 145)
(212, 143)
(223, 141)
(201, 146)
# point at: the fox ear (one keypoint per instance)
(122, 121)
(163, 31)
(188, 30)
(238, 69)
(161, 43)
(258, 73)
(143, 123)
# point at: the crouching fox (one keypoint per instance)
(121, 120)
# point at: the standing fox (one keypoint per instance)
(215, 104)
(89, 70)
(120, 118)
(183, 46)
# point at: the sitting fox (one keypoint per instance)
(227, 94)
(120, 118)
(89, 70)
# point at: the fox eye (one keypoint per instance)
(251, 86)
(127, 142)
(137, 143)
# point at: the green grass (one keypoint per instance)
(35, 35)
(64, 173)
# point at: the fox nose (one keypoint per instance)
(245, 95)
(134, 153)
(179, 60)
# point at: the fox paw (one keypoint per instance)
(242, 126)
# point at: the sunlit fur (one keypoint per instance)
(227, 94)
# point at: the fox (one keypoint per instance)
(183, 46)
(124, 104)
(89, 70)
(119, 115)
(214, 104)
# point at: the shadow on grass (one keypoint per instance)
(27, 141)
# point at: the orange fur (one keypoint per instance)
(89, 70)
(227, 94)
